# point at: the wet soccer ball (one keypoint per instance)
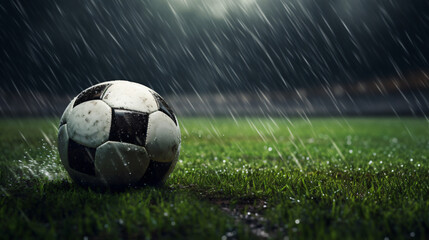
(117, 134)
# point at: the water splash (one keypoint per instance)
(41, 163)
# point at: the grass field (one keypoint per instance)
(327, 178)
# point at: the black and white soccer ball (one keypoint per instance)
(118, 134)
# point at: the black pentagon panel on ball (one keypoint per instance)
(129, 126)
(81, 158)
(154, 174)
(163, 106)
(93, 93)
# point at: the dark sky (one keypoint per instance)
(208, 45)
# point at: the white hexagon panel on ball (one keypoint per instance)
(163, 137)
(119, 163)
(130, 96)
(89, 123)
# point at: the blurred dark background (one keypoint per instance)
(242, 57)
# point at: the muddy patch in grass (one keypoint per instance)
(248, 212)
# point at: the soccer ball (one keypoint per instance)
(117, 134)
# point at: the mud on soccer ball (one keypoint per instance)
(117, 134)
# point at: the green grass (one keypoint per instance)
(328, 178)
